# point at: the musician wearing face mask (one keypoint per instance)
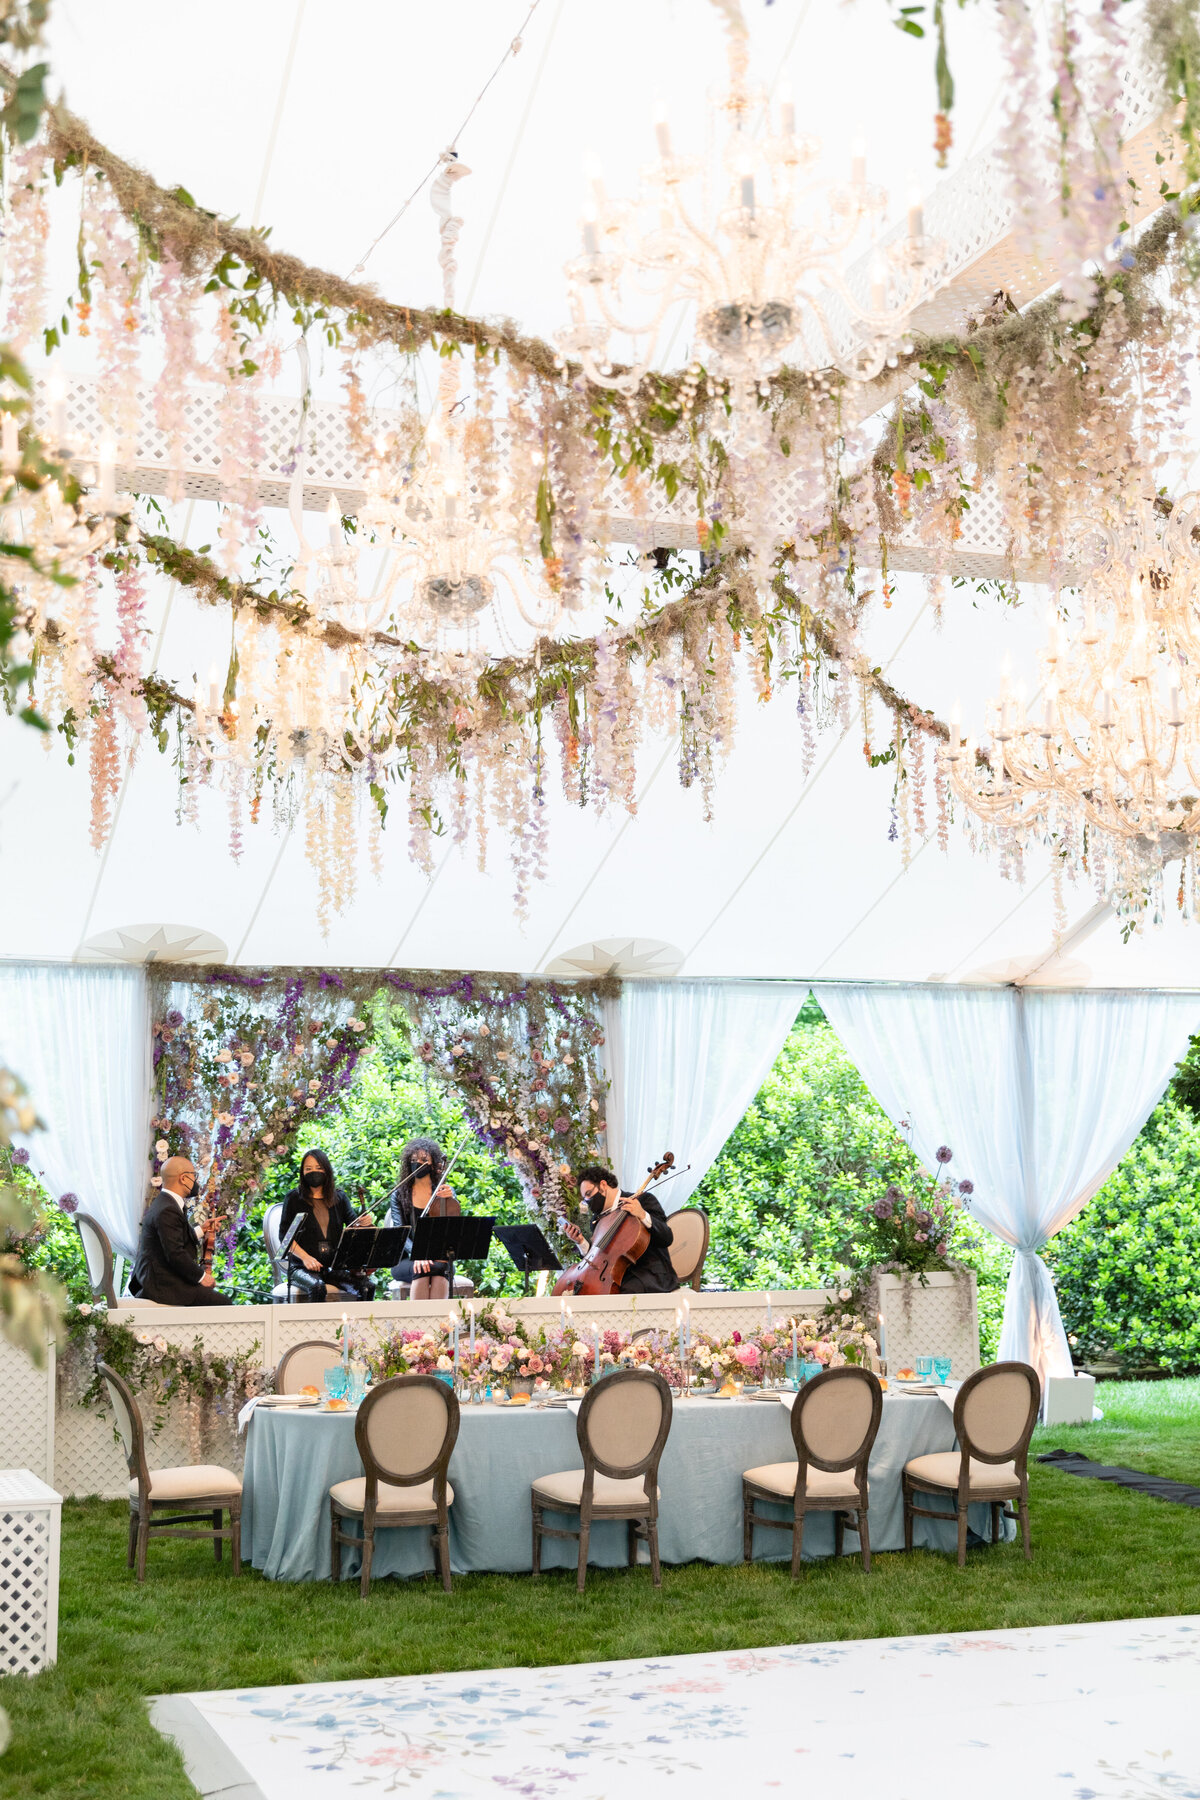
(325, 1213)
(422, 1167)
(168, 1268)
(601, 1192)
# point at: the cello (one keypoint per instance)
(620, 1240)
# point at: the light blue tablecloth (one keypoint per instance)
(293, 1459)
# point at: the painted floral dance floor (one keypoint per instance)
(1084, 1712)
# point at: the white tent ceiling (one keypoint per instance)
(332, 115)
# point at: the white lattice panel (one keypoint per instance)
(90, 1459)
(30, 1532)
(939, 1320)
(27, 1440)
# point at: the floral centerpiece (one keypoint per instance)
(912, 1230)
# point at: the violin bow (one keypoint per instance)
(462, 1144)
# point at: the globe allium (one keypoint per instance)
(68, 1203)
(944, 1153)
(20, 1157)
(966, 1187)
(883, 1208)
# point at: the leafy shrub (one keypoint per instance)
(1128, 1268)
(790, 1195)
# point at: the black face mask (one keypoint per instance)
(595, 1204)
(314, 1179)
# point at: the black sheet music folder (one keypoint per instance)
(363, 1249)
(462, 1239)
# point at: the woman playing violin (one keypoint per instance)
(327, 1213)
(600, 1192)
(422, 1166)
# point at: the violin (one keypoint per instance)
(620, 1240)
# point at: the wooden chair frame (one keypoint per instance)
(961, 1491)
(142, 1524)
(285, 1359)
(438, 1516)
(105, 1289)
(642, 1518)
(845, 1515)
(696, 1276)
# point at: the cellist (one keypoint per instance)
(600, 1192)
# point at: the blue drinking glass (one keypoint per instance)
(924, 1367)
(792, 1368)
(335, 1382)
(941, 1368)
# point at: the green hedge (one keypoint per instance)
(790, 1195)
(1128, 1268)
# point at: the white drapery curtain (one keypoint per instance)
(1038, 1094)
(684, 1060)
(78, 1036)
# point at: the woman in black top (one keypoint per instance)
(421, 1169)
(327, 1213)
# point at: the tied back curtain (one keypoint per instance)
(1038, 1094)
(78, 1036)
(684, 1061)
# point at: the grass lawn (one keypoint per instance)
(80, 1729)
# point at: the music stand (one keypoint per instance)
(363, 1250)
(464, 1238)
(528, 1249)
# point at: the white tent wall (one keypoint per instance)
(1038, 1095)
(79, 1039)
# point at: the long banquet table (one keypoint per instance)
(293, 1457)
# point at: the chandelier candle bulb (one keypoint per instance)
(333, 518)
(591, 243)
(214, 692)
(1175, 717)
(748, 193)
(344, 687)
(593, 169)
(1106, 700)
(106, 483)
(787, 109)
(878, 286)
(662, 131)
(916, 215)
(858, 162)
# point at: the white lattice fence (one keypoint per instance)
(30, 1533)
(941, 1319)
(27, 1439)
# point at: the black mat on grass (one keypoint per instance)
(1070, 1462)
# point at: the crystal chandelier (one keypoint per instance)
(452, 552)
(759, 255)
(1109, 773)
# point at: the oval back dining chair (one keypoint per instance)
(622, 1427)
(405, 1431)
(98, 1255)
(835, 1420)
(192, 1493)
(304, 1365)
(995, 1411)
(689, 1244)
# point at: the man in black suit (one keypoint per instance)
(167, 1268)
(600, 1191)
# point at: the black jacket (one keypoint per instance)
(310, 1237)
(653, 1273)
(167, 1267)
(401, 1217)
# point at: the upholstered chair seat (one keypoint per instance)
(205, 1481)
(826, 1484)
(404, 1503)
(941, 1470)
(566, 1489)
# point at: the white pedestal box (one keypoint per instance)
(30, 1530)
(1068, 1399)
